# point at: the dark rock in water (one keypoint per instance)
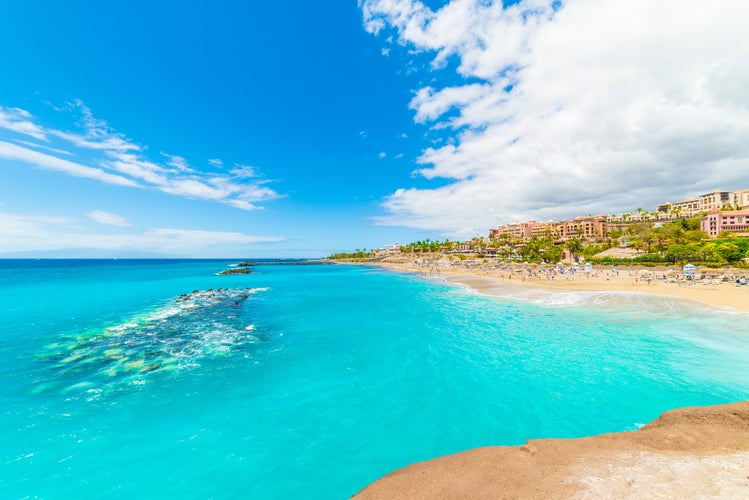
(247, 263)
(236, 270)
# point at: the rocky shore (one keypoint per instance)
(696, 452)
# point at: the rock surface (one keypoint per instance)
(694, 452)
(236, 270)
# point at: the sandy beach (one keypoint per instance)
(714, 287)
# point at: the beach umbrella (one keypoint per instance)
(689, 270)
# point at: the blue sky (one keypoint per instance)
(297, 129)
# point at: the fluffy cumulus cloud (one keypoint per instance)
(110, 157)
(556, 109)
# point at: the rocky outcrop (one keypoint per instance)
(692, 452)
(236, 270)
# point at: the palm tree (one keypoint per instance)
(573, 245)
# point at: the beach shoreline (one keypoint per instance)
(694, 452)
(511, 279)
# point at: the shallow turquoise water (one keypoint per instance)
(311, 381)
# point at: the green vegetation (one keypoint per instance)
(356, 254)
(674, 243)
(428, 245)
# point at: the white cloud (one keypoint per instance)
(40, 233)
(599, 106)
(382, 155)
(216, 162)
(13, 152)
(243, 171)
(19, 120)
(108, 218)
(177, 162)
(118, 160)
(34, 145)
(16, 224)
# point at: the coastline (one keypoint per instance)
(515, 278)
(694, 452)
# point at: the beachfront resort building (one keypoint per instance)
(683, 208)
(599, 226)
(514, 231)
(740, 199)
(717, 199)
(525, 230)
(587, 228)
(545, 230)
(733, 221)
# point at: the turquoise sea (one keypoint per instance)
(310, 381)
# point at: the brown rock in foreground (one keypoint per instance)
(695, 452)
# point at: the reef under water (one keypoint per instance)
(196, 325)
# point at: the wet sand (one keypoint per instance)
(697, 452)
(496, 282)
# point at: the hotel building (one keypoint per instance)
(734, 221)
(587, 228)
(706, 202)
(596, 227)
(591, 227)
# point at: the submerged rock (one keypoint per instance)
(179, 334)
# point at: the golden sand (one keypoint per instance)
(663, 281)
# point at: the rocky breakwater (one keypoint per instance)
(696, 452)
(236, 270)
(241, 268)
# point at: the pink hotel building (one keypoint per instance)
(735, 221)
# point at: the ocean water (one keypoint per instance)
(160, 379)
